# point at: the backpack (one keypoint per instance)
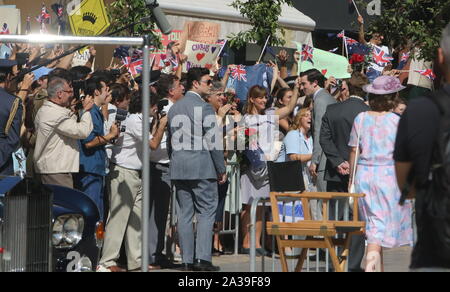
(434, 205)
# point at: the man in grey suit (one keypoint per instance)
(196, 166)
(312, 83)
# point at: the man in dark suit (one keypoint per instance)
(337, 124)
(10, 120)
(196, 166)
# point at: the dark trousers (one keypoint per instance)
(357, 245)
(160, 194)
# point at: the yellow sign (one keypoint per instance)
(89, 18)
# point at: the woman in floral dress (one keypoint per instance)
(388, 224)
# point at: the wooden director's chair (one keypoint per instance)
(325, 233)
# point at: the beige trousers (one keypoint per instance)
(124, 220)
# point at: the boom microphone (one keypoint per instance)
(160, 17)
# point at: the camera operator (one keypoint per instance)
(117, 110)
(171, 90)
(90, 180)
(56, 155)
(125, 186)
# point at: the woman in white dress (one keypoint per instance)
(254, 179)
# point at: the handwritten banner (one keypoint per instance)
(201, 55)
(200, 31)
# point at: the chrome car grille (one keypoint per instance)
(26, 230)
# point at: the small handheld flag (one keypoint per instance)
(427, 73)
(307, 54)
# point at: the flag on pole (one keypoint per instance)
(43, 18)
(59, 11)
(242, 78)
(427, 73)
(307, 54)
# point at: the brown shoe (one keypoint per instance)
(116, 269)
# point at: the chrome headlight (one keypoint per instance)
(57, 235)
(70, 229)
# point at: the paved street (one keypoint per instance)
(395, 260)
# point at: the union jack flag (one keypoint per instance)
(239, 73)
(307, 53)
(427, 73)
(380, 57)
(134, 67)
(341, 34)
(405, 57)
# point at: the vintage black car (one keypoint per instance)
(48, 228)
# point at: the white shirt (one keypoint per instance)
(112, 110)
(415, 78)
(161, 155)
(127, 152)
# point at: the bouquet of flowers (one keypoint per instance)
(252, 156)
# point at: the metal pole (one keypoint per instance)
(146, 153)
(74, 40)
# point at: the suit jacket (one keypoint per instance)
(321, 101)
(337, 125)
(8, 143)
(188, 136)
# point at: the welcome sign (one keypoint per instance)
(200, 55)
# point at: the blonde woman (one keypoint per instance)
(298, 144)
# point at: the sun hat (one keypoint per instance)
(384, 85)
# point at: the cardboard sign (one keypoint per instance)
(89, 18)
(174, 36)
(200, 55)
(200, 31)
(328, 63)
(158, 55)
(81, 57)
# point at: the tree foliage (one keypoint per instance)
(125, 12)
(263, 16)
(417, 22)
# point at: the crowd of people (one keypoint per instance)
(82, 129)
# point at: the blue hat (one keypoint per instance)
(6, 64)
(38, 73)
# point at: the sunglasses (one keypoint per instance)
(208, 82)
